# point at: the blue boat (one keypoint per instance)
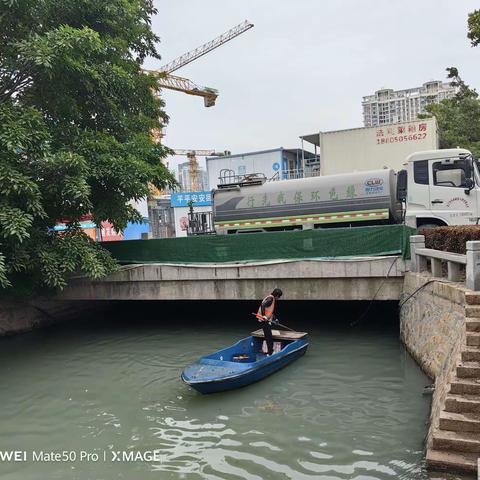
(244, 362)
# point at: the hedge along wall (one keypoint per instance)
(248, 247)
(451, 239)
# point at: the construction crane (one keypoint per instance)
(193, 163)
(181, 84)
(189, 57)
(165, 79)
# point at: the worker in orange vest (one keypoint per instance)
(266, 315)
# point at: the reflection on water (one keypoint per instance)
(351, 408)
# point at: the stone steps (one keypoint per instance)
(472, 311)
(462, 404)
(472, 298)
(456, 441)
(459, 422)
(452, 461)
(455, 444)
(472, 324)
(468, 370)
(471, 354)
(473, 339)
(469, 386)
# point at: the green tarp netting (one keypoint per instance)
(251, 247)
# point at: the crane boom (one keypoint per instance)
(200, 153)
(188, 57)
(181, 84)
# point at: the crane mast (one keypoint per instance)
(193, 163)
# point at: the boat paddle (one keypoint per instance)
(277, 323)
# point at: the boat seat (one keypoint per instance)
(281, 335)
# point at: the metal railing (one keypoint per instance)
(299, 173)
(200, 223)
(455, 261)
(229, 177)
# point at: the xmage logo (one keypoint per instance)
(136, 456)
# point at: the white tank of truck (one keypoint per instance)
(437, 187)
(306, 203)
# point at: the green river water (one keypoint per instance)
(352, 408)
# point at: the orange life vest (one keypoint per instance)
(268, 310)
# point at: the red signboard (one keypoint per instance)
(402, 133)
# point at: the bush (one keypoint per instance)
(451, 239)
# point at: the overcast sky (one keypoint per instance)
(305, 65)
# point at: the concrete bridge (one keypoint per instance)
(365, 278)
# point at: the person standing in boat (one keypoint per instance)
(266, 315)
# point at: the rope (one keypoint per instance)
(361, 317)
(420, 288)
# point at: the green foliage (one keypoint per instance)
(76, 115)
(474, 27)
(458, 118)
(451, 239)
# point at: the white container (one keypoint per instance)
(362, 149)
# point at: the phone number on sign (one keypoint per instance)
(402, 138)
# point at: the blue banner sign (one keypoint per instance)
(199, 199)
(60, 227)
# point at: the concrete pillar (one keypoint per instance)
(473, 265)
(418, 263)
(454, 272)
(437, 268)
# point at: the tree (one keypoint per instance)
(76, 116)
(458, 118)
(474, 27)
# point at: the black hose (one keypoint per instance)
(364, 314)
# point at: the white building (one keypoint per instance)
(388, 106)
(185, 180)
(278, 163)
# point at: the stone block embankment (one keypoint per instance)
(440, 326)
(432, 322)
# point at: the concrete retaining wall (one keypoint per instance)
(17, 316)
(432, 327)
(432, 322)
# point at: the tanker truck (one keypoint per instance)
(437, 187)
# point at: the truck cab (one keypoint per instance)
(443, 188)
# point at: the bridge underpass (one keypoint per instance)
(366, 278)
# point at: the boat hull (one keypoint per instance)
(251, 375)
